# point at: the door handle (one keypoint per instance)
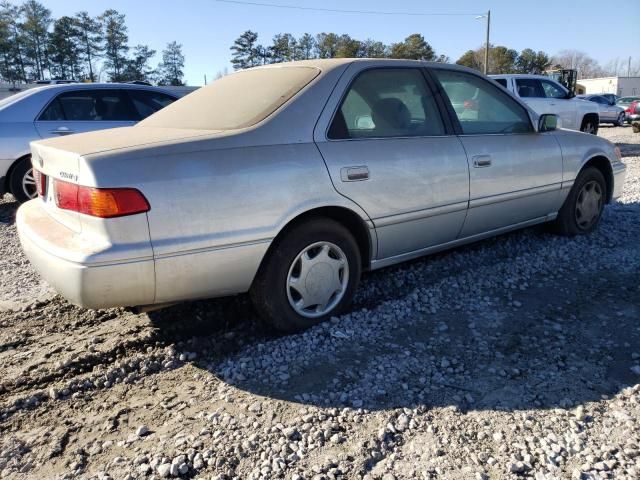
(354, 174)
(481, 161)
(62, 131)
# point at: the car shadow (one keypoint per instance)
(567, 339)
(8, 209)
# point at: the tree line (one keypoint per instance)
(247, 51)
(35, 46)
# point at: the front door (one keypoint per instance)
(387, 149)
(515, 172)
(544, 96)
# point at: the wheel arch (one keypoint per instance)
(348, 218)
(7, 178)
(603, 164)
(590, 116)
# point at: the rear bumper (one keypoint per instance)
(56, 253)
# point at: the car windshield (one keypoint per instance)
(236, 101)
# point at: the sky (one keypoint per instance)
(207, 28)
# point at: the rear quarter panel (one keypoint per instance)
(214, 212)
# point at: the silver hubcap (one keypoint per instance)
(29, 184)
(589, 205)
(317, 279)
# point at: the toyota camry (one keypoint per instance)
(287, 181)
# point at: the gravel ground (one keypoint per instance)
(516, 357)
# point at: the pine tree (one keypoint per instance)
(64, 51)
(245, 51)
(37, 19)
(90, 39)
(115, 43)
(138, 67)
(170, 70)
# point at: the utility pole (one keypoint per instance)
(629, 68)
(486, 48)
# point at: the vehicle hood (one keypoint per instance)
(122, 138)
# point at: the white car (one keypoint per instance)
(545, 95)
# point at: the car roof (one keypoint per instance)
(83, 86)
(331, 63)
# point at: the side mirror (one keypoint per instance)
(547, 122)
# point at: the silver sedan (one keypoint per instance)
(608, 110)
(289, 180)
(59, 110)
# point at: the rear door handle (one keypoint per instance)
(354, 174)
(481, 161)
(62, 131)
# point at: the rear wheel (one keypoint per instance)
(22, 183)
(589, 125)
(583, 207)
(309, 275)
(620, 120)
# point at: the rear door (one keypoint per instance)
(388, 149)
(85, 110)
(515, 173)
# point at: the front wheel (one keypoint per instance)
(582, 210)
(589, 125)
(22, 183)
(309, 275)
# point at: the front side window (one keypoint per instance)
(530, 88)
(90, 106)
(552, 90)
(147, 102)
(389, 102)
(480, 106)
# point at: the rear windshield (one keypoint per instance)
(236, 101)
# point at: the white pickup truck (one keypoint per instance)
(545, 95)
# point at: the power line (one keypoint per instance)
(337, 10)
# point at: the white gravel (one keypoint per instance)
(516, 357)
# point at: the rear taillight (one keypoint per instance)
(41, 182)
(99, 202)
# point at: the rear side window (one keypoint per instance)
(530, 88)
(383, 103)
(147, 102)
(480, 106)
(90, 106)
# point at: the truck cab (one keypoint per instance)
(545, 95)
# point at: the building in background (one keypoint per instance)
(621, 86)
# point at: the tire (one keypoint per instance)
(582, 209)
(589, 126)
(21, 182)
(273, 292)
(620, 121)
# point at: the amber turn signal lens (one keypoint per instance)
(100, 202)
